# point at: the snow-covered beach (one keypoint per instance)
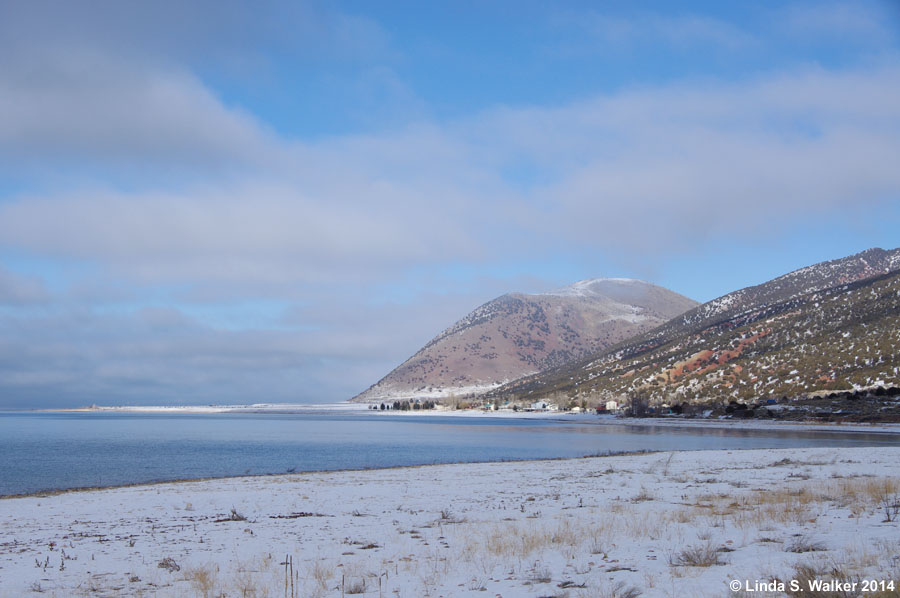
(658, 524)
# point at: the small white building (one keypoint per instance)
(612, 405)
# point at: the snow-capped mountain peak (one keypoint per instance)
(518, 334)
(592, 287)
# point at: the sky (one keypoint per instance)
(232, 202)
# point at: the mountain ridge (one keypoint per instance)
(519, 333)
(661, 363)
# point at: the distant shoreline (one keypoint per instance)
(254, 408)
(585, 418)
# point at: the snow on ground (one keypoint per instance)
(499, 414)
(656, 525)
(389, 392)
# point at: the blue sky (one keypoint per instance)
(218, 202)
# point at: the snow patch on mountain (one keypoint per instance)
(590, 287)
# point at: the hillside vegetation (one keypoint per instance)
(831, 339)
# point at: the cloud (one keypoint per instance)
(91, 111)
(682, 162)
(254, 234)
(686, 164)
(173, 205)
(117, 92)
(868, 23)
(682, 31)
(326, 351)
(83, 357)
(204, 34)
(18, 290)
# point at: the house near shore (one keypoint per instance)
(542, 406)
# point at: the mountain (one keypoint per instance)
(826, 327)
(519, 334)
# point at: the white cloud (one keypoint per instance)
(117, 92)
(681, 163)
(232, 211)
(253, 234)
(162, 355)
(92, 111)
(18, 290)
(869, 23)
(683, 31)
(680, 160)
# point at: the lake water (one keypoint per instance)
(47, 451)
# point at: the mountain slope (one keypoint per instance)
(519, 334)
(829, 326)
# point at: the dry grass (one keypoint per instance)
(247, 585)
(779, 507)
(448, 516)
(540, 573)
(869, 490)
(356, 585)
(321, 573)
(807, 572)
(799, 503)
(617, 590)
(256, 578)
(869, 561)
(652, 525)
(890, 507)
(203, 580)
(523, 547)
(511, 539)
(591, 550)
(802, 543)
(700, 555)
(643, 495)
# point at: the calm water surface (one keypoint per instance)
(45, 451)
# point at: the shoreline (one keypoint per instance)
(511, 528)
(252, 408)
(763, 429)
(754, 426)
(154, 483)
(583, 418)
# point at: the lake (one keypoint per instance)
(52, 451)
